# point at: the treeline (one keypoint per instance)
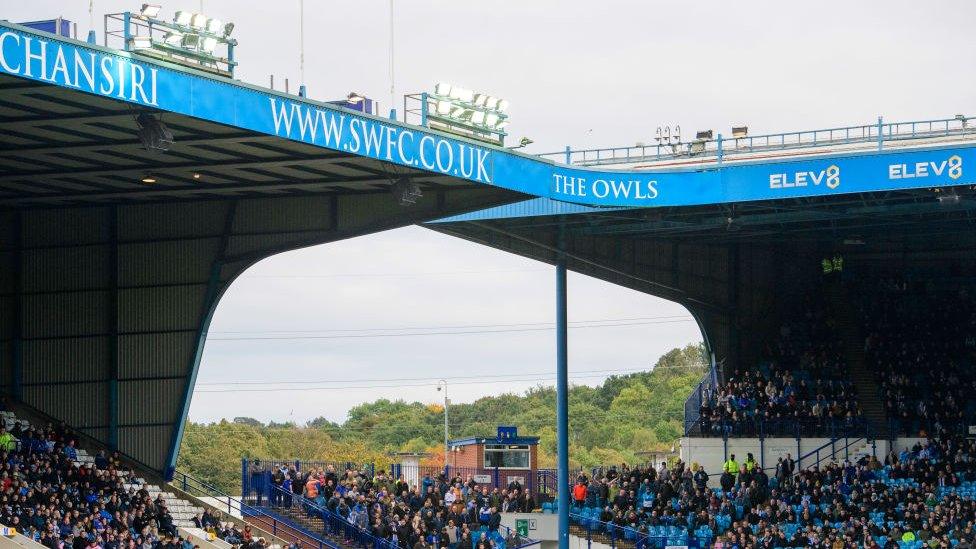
(609, 423)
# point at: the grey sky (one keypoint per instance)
(579, 73)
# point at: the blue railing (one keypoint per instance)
(335, 525)
(755, 427)
(831, 454)
(716, 148)
(274, 525)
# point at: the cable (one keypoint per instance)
(445, 327)
(466, 332)
(395, 385)
(636, 369)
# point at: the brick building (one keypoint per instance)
(507, 455)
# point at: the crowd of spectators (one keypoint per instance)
(440, 512)
(923, 493)
(47, 495)
(800, 389)
(921, 340)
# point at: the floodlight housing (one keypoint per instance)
(183, 18)
(443, 89)
(228, 28)
(215, 26)
(173, 38)
(209, 44)
(150, 10)
(199, 21)
(502, 105)
(141, 42)
(191, 41)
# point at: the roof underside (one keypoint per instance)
(63, 147)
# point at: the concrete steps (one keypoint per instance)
(858, 371)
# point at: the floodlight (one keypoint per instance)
(153, 134)
(199, 21)
(141, 42)
(406, 191)
(491, 119)
(191, 41)
(706, 134)
(444, 107)
(456, 92)
(501, 124)
(502, 105)
(355, 98)
(182, 18)
(478, 117)
(215, 26)
(228, 28)
(209, 44)
(466, 95)
(740, 131)
(491, 102)
(442, 88)
(479, 99)
(459, 112)
(148, 179)
(173, 38)
(150, 10)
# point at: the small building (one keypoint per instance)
(507, 457)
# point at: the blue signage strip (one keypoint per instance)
(119, 75)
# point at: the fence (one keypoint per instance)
(701, 393)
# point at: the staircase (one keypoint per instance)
(852, 348)
(311, 523)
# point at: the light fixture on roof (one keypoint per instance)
(199, 20)
(462, 111)
(740, 131)
(355, 98)
(182, 18)
(704, 134)
(140, 43)
(173, 38)
(406, 192)
(190, 41)
(524, 142)
(228, 28)
(148, 179)
(150, 10)
(153, 134)
(196, 176)
(215, 26)
(209, 44)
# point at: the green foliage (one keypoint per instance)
(609, 423)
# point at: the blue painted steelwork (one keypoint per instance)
(562, 401)
(157, 85)
(528, 208)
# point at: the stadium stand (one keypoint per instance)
(382, 511)
(921, 343)
(922, 496)
(58, 495)
(800, 389)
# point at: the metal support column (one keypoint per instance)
(562, 399)
(113, 323)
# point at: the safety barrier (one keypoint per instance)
(273, 524)
(719, 146)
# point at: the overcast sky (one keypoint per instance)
(579, 73)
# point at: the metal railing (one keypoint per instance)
(718, 147)
(275, 525)
(831, 454)
(334, 524)
(789, 427)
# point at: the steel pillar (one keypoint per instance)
(562, 402)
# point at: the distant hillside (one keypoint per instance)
(608, 424)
